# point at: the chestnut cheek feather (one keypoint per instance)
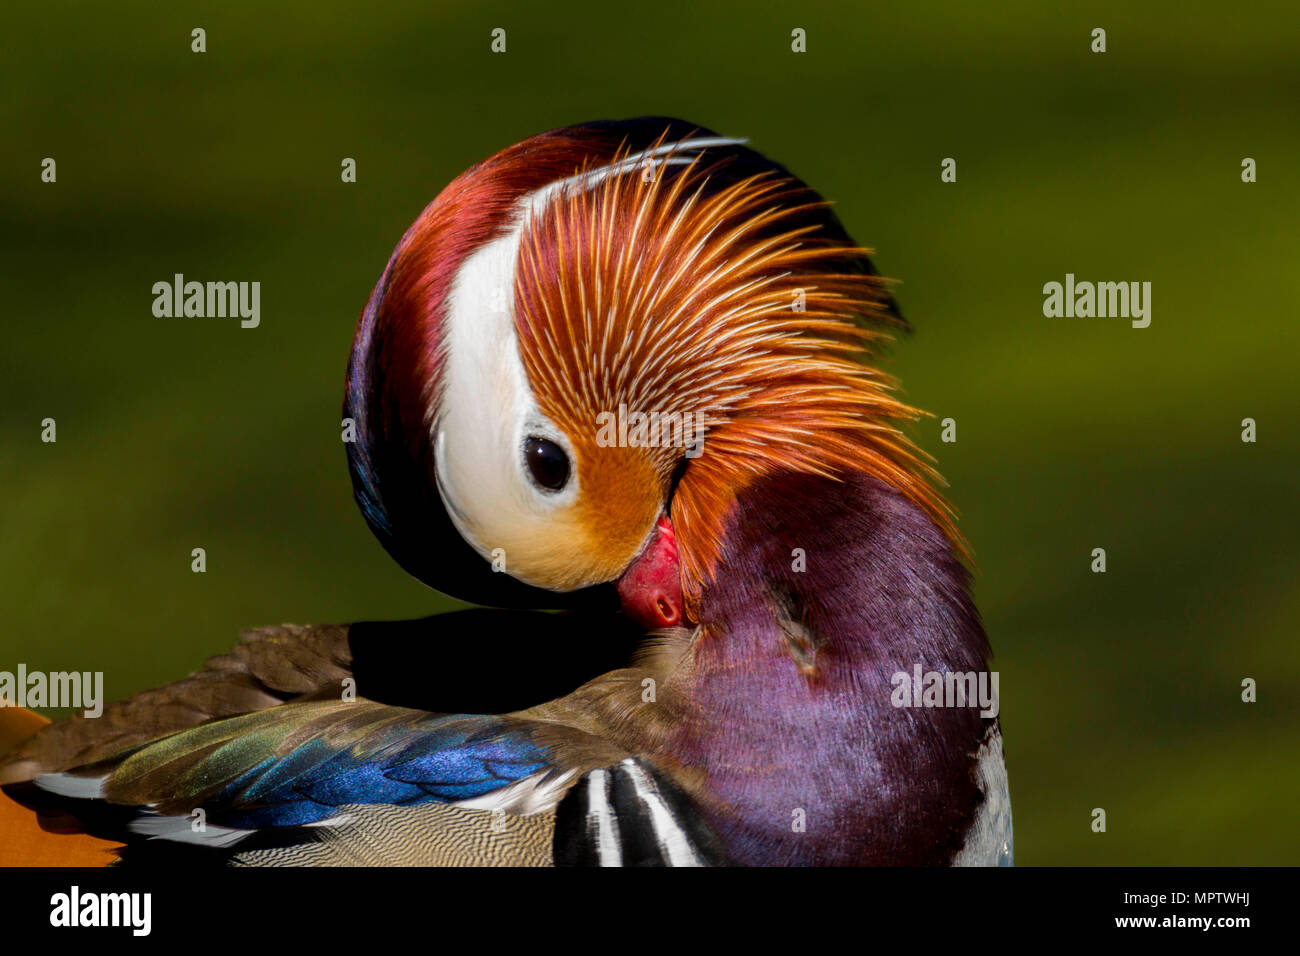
(651, 587)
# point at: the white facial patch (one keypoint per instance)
(488, 410)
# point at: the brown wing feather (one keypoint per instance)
(269, 666)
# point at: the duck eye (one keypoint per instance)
(547, 462)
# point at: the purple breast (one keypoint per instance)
(806, 759)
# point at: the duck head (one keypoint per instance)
(588, 345)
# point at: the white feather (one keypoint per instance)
(668, 833)
(181, 830)
(533, 794)
(67, 785)
(601, 820)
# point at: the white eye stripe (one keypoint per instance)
(683, 152)
(486, 411)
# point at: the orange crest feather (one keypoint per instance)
(655, 293)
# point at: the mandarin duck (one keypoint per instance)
(621, 370)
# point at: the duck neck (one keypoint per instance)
(825, 593)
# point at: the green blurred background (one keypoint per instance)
(1120, 690)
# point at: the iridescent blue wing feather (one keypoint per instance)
(299, 763)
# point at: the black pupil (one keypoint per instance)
(547, 461)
